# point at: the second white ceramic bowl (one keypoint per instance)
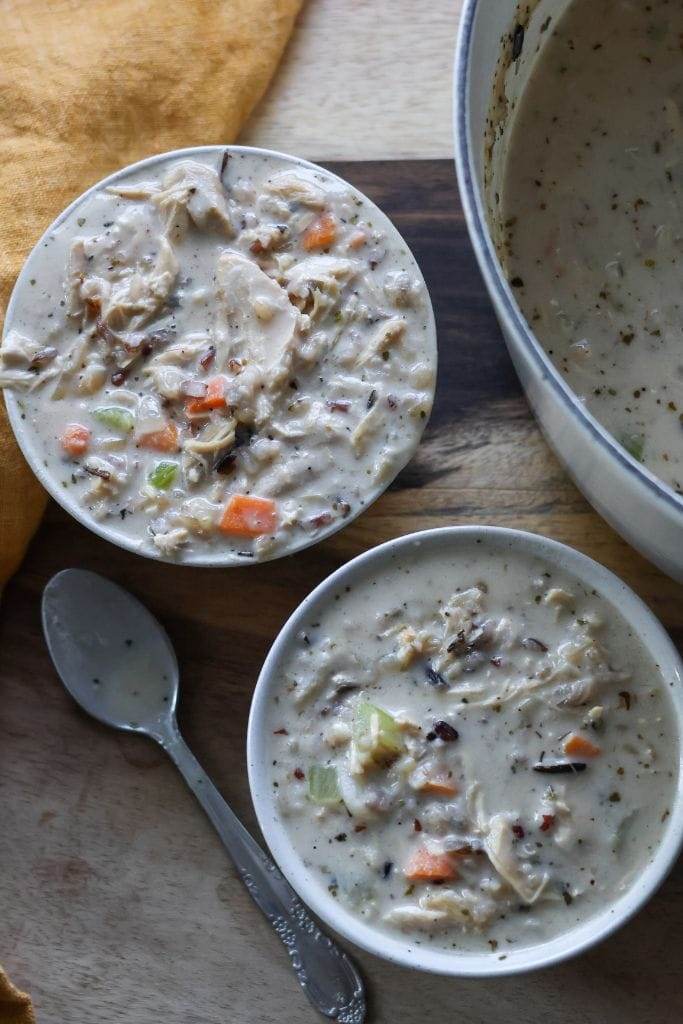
(311, 886)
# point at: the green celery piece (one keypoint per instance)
(323, 784)
(634, 445)
(116, 418)
(388, 740)
(163, 475)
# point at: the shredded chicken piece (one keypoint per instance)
(410, 917)
(558, 598)
(336, 667)
(198, 515)
(245, 291)
(563, 832)
(581, 662)
(366, 428)
(18, 351)
(265, 238)
(141, 295)
(461, 906)
(294, 188)
(388, 334)
(412, 644)
(91, 378)
(182, 352)
(499, 848)
(189, 191)
(166, 380)
(18, 362)
(337, 734)
(108, 475)
(400, 288)
(458, 616)
(76, 271)
(130, 300)
(326, 274)
(170, 540)
(214, 438)
(70, 363)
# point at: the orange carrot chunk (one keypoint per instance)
(164, 440)
(578, 746)
(213, 399)
(75, 439)
(246, 516)
(439, 783)
(424, 866)
(320, 233)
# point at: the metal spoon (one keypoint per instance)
(117, 662)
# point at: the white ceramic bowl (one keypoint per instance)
(647, 513)
(30, 443)
(312, 888)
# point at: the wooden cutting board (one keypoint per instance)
(117, 902)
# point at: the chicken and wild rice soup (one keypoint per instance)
(224, 355)
(471, 749)
(590, 216)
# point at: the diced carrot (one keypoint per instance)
(246, 516)
(164, 440)
(320, 233)
(357, 240)
(213, 399)
(578, 746)
(439, 783)
(75, 439)
(424, 866)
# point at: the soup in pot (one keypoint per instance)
(591, 228)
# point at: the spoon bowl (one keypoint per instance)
(112, 655)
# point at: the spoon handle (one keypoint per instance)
(326, 974)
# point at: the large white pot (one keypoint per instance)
(646, 513)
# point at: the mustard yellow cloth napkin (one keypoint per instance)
(87, 86)
(15, 1006)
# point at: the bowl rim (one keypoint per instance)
(28, 439)
(498, 286)
(400, 950)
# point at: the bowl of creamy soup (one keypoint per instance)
(568, 132)
(219, 355)
(464, 751)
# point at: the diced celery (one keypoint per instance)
(323, 784)
(116, 418)
(634, 445)
(376, 733)
(163, 475)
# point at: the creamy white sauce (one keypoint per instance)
(591, 224)
(489, 664)
(258, 331)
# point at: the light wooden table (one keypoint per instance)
(364, 80)
(117, 903)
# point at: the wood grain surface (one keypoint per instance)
(117, 902)
(363, 76)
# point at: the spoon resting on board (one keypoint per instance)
(117, 662)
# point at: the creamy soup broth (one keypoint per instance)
(471, 750)
(222, 356)
(592, 217)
